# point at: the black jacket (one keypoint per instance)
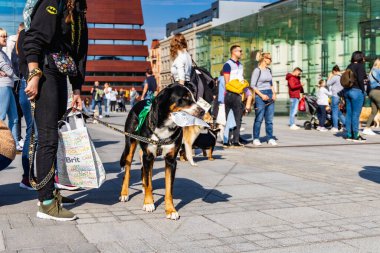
(49, 33)
(360, 74)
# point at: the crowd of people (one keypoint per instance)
(33, 84)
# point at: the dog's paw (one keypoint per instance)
(124, 198)
(211, 159)
(149, 208)
(172, 216)
(194, 164)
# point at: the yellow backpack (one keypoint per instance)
(237, 86)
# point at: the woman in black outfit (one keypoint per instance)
(355, 97)
(56, 27)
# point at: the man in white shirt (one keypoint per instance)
(107, 99)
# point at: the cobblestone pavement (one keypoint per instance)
(313, 193)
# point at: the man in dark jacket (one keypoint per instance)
(295, 90)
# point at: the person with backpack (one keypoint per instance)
(295, 89)
(265, 98)
(374, 95)
(336, 88)
(353, 80)
(56, 32)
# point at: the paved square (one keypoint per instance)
(313, 193)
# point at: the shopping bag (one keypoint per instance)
(78, 163)
(302, 105)
(221, 118)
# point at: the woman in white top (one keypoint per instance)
(323, 101)
(181, 68)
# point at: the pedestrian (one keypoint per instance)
(336, 88)
(47, 85)
(150, 85)
(354, 97)
(295, 89)
(374, 95)
(323, 102)
(7, 146)
(113, 99)
(97, 96)
(181, 67)
(122, 99)
(8, 105)
(133, 96)
(107, 99)
(86, 105)
(233, 71)
(265, 98)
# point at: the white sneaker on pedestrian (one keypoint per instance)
(334, 130)
(100, 116)
(272, 142)
(368, 131)
(323, 129)
(294, 127)
(242, 129)
(257, 142)
(21, 143)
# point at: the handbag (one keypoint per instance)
(237, 86)
(65, 64)
(302, 105)
(78, 163)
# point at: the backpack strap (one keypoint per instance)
(257, 81)
(374, 78)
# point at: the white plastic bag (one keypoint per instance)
(78, 163)
(221, 118)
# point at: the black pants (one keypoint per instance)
(233, 102)
(113, 106)
(322, 115)
(50, 107)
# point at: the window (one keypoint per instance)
(116, 42)
(115, 58)
(103, 25)
(116, 26)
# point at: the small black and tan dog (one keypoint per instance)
(158, 126)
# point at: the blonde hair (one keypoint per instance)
(3, 30)
(321, 82)
(376, 64)
(262, 56)
(178, 42)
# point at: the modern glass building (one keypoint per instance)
(11, 14)
(311, 34)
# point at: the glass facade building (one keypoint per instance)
(314, 35)
(11, 14)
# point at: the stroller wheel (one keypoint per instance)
(307, 125)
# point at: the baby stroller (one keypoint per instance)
(312, 109)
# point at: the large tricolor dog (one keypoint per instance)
(157, 126)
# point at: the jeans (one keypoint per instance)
(8, 107)
(113, 106)
(51, 105)
(354, 103)
(264, 109)
(107, 105)
(233, 102)
(26, 110)
(97, 103)
(336, 113)
(293, 110)
(4, 162)
(322, 115)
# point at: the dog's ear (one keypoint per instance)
(160, 106)
(192, 87)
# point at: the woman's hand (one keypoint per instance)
(77, 101)
(264, 97)
(2, 74)
(32, 87)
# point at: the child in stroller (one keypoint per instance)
(312, 109)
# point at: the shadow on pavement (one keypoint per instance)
(99, 144)
(371, 173)
(11, 194)
(185, 189)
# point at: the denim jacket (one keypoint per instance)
(374, 73)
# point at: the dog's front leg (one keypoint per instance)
(148, 160)
(170, 169)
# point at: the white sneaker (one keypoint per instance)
(322, 129)
(242, 129)
(21, 143)
(368, 131)
(257, 142)
(294, 127)
(272, 142)
(334, 130)
(100, 116)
